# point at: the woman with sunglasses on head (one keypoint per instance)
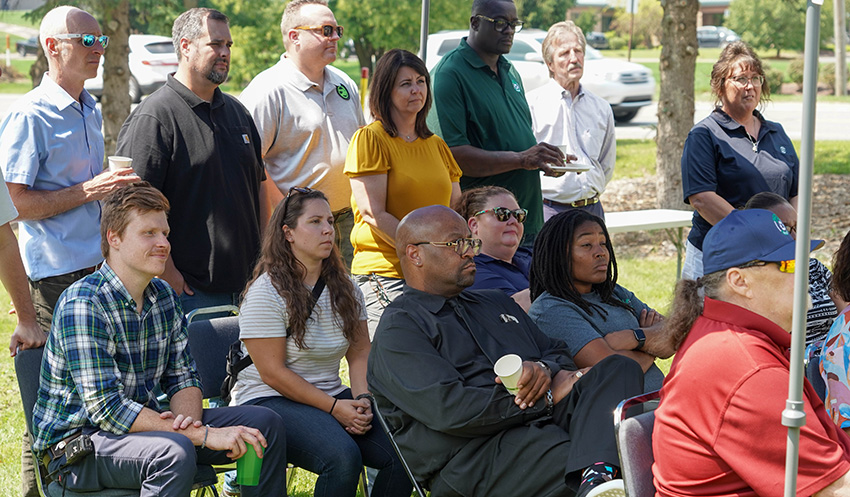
(296, 344)
(494, 216)
(396, 165)
(822, 310)
(735, 152)
(576, 297)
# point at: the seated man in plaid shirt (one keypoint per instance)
(118, 333)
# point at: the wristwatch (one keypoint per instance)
(545, 367)
(640, 336)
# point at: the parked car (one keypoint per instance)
(597, 40)
(152, 59)
(26, 47)
(626, 86)
(715, 36)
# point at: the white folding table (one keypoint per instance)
(672, 221)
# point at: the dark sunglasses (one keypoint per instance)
(501, 25)
(294, 189)
(86, 39)
(784, 266)
(503, 213)
(327, 30)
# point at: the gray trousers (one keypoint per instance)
(164, 463)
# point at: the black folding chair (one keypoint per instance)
(28, 372)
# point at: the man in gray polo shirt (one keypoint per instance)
(306, 112)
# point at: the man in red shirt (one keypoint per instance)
(718, 428)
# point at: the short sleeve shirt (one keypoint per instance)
(719, 156)
(7, 208)
(205, 158)
(305, 130)
(474, 106)
(560, 318)
(419, 174)
(509, 277)
(50, 141)
(263, 314)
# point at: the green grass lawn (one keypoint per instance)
(636, 158)
(16, 17)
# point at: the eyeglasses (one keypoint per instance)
(295, 189)
(327, 30)
(784, 266)
(87, 39)
(742, 81)
(501, 25)
(461, 245)
(503, 213)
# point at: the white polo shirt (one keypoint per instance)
(305, 131)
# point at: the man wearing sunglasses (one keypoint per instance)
(200, 147)
(460, 430)
(481, 112)
(51, 156)
(306, 112)
(719, 430)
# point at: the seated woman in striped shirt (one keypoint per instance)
(297, 343)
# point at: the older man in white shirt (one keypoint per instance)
(564, 113)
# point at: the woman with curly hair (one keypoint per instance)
(296, 345)
(575, 297)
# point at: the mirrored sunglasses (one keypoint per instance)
(503, 213)
(461, 246)
(86, 39)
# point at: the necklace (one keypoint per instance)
(754, 142)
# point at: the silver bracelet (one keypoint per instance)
(207, 432)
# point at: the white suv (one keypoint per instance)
(152, 58)
(625, 85)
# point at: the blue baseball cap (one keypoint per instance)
(748, 235)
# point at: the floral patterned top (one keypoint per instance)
(835, 369)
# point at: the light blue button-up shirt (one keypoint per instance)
(49, 141)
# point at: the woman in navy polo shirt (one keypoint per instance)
(495, 217)
(734, 153)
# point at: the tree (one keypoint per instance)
(676, 103)
(543, 13)
(647, 23)
(257, 41)
(379, 25)
(586, 21)
(776, 24)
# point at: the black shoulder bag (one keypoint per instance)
(236, 363)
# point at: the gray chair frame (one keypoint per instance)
(812, 365)
(28, 372)
(634, 444)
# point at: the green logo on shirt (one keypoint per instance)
(342, 91)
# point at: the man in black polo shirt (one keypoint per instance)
(200, 147)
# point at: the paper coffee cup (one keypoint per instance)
(563, 149)
(509, 369)
(248, 467)
(117, 162)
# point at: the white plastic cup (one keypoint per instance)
(117, 162)
(509, 369)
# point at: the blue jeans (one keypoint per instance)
(316, 442)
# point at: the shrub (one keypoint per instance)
(795, 71)
(774, 77)
(617, 42)
(827, 76)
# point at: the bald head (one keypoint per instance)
(56, 22)
(433, 268)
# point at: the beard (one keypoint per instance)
(217, 77)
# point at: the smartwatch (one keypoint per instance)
(640, 336)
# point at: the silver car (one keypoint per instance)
(152, 59)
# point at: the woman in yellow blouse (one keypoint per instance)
(396, 165)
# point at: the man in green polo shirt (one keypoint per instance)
(481, 112)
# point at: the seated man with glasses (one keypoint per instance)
(481, 112)
(431, 370)
(718, 430)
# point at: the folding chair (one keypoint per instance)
(812, 363)
(377, 413)
(209, 342)
(28, 371)
(634, 443)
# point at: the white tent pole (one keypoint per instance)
(794, 415)
(423, 29)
